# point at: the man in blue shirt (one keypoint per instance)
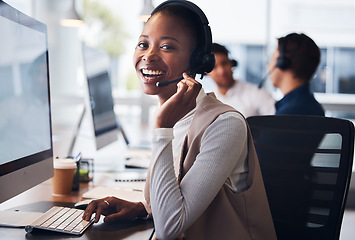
(292, 67)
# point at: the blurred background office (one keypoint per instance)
(249, 29)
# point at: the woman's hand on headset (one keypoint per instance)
(179, 104)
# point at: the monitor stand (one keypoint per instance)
(76, 132)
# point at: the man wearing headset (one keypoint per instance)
(247, 98)
(292, 67)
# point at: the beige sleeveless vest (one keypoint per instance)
(230, 215)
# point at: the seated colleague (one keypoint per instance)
(204, 181)
(292, 67)
(246, 97)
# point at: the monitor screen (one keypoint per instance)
(105, 125)
(101, 103)
(26, 154)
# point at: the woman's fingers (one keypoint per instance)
(98, 207)
(189, 86)
(114, 209)
(179, 104)
(187, 77)
(90, 209)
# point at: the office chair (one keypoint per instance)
(306, 163)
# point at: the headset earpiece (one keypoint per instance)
(201, 62)
(283, 62)
(209, 61)
(234, 63)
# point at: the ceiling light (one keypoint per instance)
(71, 18)
(146, 11)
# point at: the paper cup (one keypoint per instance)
(62, 181)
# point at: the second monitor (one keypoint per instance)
(105, 122)
(101, 104)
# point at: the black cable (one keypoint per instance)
(152, 234)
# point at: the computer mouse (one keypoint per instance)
(82, 204)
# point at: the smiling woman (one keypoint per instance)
(167, 52)
(164, 55)
(203, 166)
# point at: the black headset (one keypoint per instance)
(283, 62)
(234, 63)
(202, 60)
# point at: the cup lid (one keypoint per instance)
(64, 163)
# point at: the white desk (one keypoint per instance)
(40, 199)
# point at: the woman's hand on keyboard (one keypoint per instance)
(114, 209)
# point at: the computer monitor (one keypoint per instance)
(101, 105)
(26, 154)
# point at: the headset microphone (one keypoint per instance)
(265, 77)
(163, 84)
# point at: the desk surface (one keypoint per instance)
(40, 199)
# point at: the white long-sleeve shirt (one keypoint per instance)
(221, 160)
(248, 99)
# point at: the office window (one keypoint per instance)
(255, 64)
(318, 83)
(336, 71)
(251, 61)
(344, 70)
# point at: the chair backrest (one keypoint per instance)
(306, 163)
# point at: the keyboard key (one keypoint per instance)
(39, 221)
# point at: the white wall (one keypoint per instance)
(328, 22)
